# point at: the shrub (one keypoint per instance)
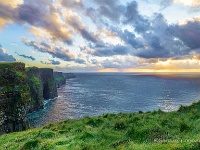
(120, 125)
(30, 145)
(184, 127)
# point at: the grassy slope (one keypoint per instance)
(110, 131)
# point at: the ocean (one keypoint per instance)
(93, 94)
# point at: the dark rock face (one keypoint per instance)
(60, 79)
(14, 97)
(42, 86)
(49, 84)
(69, 75)
(22, 91)
(36, 89)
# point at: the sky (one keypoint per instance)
(102, 35)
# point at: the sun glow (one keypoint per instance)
(170, 65)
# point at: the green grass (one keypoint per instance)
(155, 130)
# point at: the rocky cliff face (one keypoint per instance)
(36, 89)
(60, 79)
(69, 75)
(14, 97)
(22, 92)
(42, 86)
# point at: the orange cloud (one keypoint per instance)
(192, 3)
(12, 3)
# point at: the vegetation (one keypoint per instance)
(36, 89)
(149, 131)
(60, 79)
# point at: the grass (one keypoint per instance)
(155, 130)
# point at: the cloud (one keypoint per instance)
(5, 57)
(79, 61)
(72, 4)
(54, 62)
(25, 56)
(111, 51)
(151, 38)
(43, 14)
(12, 3)
(111, 9)
(75, 21)
(118, 30)
(46, 63)
(38, 13)
(94, 61)
(188, 33)
(120, 63)
(191, 3)
(55, 52)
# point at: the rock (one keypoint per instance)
(23, 91)
(14, 97)
(60, 78)
(69, 75)
(42, 86)
(36, 89)
(49, 83)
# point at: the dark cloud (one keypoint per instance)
(111, 9)
(189, 33)
(72, 4)
(54, 62)
(111, 51)
(25, 56)
(79, 61)
(75, 22)
(159, 42)
(94, 61)
(46, 63)
(131, 39)
(5, 57)
(134, 18)
(155, 37)
(55, 52)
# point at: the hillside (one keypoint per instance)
(156, 130)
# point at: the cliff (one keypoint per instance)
(14, 97)
(60, 79)
(42, 86)
(23, 91)
(69, 75)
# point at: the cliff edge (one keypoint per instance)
(42, 86)
(14, 97)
